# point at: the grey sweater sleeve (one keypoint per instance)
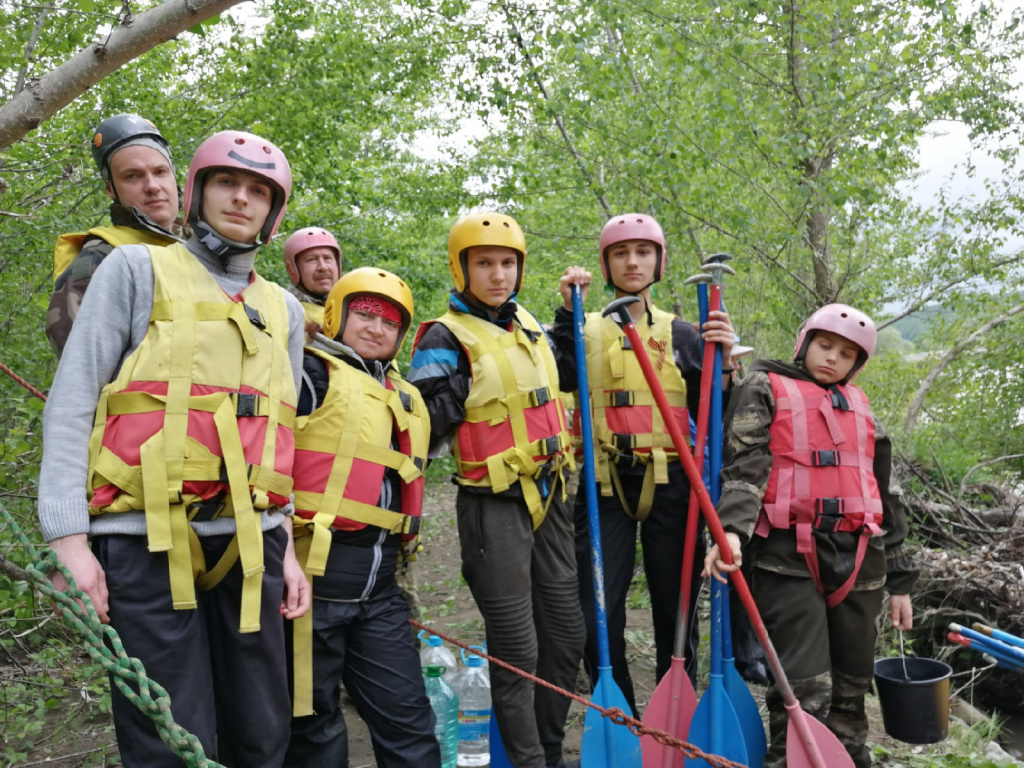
(296, 336)
(111, 322)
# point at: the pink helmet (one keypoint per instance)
(244, 152)
(303, 240)
(632, 226)
(842, 320)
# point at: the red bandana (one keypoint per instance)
(376, 305)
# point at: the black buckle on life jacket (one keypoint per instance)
(406, 400)
(411, 527)
(539, 397)
(825, 458)
(254, 316)
(624, 442)
(626, 344)
(620, 399)
(838, 399)
(204, 511)
(828, 515)
(246, 404)
(548, 446)
(419, 461)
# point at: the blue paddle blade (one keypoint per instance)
(715, 727)
(606, 744)
(499, 759)
(747, 713)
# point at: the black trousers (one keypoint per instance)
(228, 688)
(368, 646)
(524, 583)
(661, 537)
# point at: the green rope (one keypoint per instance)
(104, 646)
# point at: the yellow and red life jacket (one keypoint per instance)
(515, 429)
(201, 411)
(70, 245)
(823, 442)
(342, 450)
(626, 419)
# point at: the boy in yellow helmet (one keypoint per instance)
(488, 375)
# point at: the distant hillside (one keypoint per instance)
(911, 326)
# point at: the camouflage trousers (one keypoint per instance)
(828, 655)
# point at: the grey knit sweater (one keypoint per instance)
(112, 321)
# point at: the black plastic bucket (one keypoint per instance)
(914, 710)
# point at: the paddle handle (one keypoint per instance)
(693, 510)
(986, 642)
(717, 532)
(589, 478)
(998, 634)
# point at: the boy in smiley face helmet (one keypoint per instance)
(166, 507)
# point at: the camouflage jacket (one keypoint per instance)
(746, 466)
(72, 283)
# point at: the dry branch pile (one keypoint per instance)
(971, 554)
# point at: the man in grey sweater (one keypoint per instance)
(152, 323)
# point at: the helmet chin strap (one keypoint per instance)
(220, 246)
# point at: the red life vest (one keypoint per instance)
(822, 477)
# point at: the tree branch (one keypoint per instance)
(30, 48)
(41, 99)
(947, 359)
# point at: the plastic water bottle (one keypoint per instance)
(445, 704)
(473, 687)
(435, 654)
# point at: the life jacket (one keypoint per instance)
(342, 450)
(822, 442)
(626, 420)
(198, 422)
(314, 313)
(515, 428)
(70, 245)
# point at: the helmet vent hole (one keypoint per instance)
(239, 141)
(505, 224)
(266, 150)
(843, 314)
(486, 223)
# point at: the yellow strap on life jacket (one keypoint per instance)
(70, 245)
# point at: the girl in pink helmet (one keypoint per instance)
(806, 494)
(642, 485)
(167, 460)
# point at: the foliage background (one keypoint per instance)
(784, 132)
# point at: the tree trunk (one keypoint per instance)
(43, 97)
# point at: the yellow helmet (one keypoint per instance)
(367, 281)
(483, 229)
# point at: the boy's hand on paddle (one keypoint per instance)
(900, 612)
(716, 567)
(718, 330)
(573, 276)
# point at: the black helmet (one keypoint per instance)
(117, 131)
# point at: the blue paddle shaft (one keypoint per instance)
(590, 480)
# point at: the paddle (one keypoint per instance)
(743, 702)
(809, 742)
(716, 728)
(674, 701)
(604, 743)
(747, 712)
